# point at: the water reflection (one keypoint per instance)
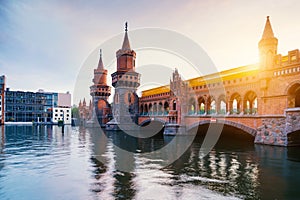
(82, 163)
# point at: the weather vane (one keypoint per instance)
(126, 26)
(100, 52)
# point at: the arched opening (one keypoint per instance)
(159, 109)
(250, 103)
(192, 106)
(166, 108)
(294, 96)
(294, 138)
(155, 108)
(145, 109)
(174, 105)
(150, 109)
(141, 109)
(201, 105)
(235, 103)
(230, 138)
(211, 105)
(221, 109)
(153, 127)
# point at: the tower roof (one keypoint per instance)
(126, 44)
(100, 63)
(268, 31)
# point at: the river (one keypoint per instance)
(42, 162)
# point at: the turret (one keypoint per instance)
(267, 47)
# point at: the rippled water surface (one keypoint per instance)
(44, 163)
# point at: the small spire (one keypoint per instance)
(268, 31)
(126, 26)
(100, 63)
(126, 44)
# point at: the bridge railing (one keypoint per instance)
(158, 113)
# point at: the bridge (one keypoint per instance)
(261, 99)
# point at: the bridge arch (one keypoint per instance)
(236, 125)
(293, 138)
(147, 121)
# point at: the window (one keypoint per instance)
(68, 110)
(56, 110)
(55, 115)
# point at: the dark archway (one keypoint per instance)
(156, 125)
(294, 96)
(166, 108)
(294, 138)
(231, 136)
(174, 105)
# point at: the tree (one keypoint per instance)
(75, 112)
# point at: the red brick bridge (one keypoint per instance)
(261, 99)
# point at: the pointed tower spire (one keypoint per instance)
(84, 102)
(100, 64)
(267, 46)
(126, 44)
(268, 31)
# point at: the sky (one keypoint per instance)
(44, 44)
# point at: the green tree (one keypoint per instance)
(75, 112)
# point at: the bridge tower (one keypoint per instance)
(125, 81)
(267, 54)
(267, 47)
(100, 92)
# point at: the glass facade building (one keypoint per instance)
(23, 106)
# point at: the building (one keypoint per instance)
(204, 95)
(37, 107)
(2, 95)
(62, 108)
(85, 112)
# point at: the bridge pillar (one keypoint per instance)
(275, 129)
(272, 132)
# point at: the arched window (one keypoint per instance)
(211, 104)
(174, 105)
(146, 109)
(201, 105)
(235, 105)
(150, 109)
(223, 107)
(155, 108)
(142, 109)
(159, 110)
(192, 106)
(166, 108)
(250, 103)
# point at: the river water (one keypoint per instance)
(41, 162)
